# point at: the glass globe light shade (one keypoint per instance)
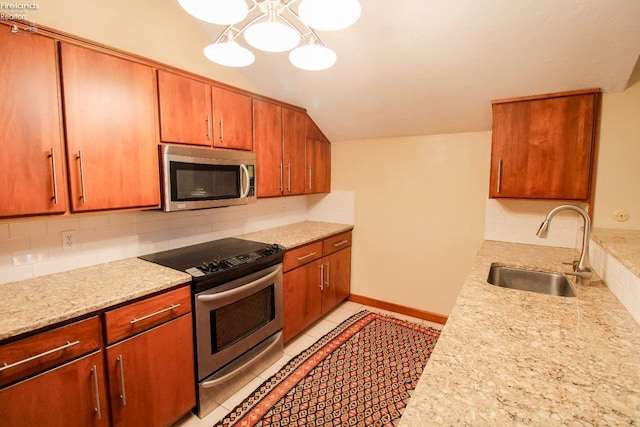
(222, 12)
(329, 15)
(272, 36)
(230, 54)
(312, 57)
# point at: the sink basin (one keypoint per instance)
(530, 280)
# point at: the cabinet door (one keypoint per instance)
(31, 167)
(267, 133)
(185, 110)
(302, 299)
(73, 394)
(543, 148)
(232, 112)
(318, 154)
(151, 375)
(294, 130)
(110, 123)
(337, 276)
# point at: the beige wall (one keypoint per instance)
(419, 214)
(133, 26)
(618, 174)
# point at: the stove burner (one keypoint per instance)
(219, 261)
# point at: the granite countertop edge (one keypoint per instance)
(521, 358)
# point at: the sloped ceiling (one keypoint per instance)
(411, 67)
(419, 67)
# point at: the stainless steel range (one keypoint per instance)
(237, 303)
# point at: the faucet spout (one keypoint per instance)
(583, 265)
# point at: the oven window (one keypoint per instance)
(191, 182)
(233, 322)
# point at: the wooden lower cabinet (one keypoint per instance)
(337, 278)
(302, 298)
(143, 374)
(73, 394)
(317, 286)
(151, 376)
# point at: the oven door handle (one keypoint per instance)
(241, 290)
(243, 368)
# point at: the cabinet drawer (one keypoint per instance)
(34, 354)
(302, 255)
(140, 316)
(335, 243)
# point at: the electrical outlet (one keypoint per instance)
(621, 215)
(68, 240)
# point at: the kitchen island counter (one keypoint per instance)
(510, 357)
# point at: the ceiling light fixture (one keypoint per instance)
(274, 26)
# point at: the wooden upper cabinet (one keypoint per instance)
(186, 114)
(233, 120)
(31, 148)
(267, 134)
(110, 122)
(543, 147)
(318, 159)
(294, 129)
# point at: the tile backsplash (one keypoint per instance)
(33, 247)
(518, 221)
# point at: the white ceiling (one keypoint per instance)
(418, 67)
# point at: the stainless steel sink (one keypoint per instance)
(530, 280)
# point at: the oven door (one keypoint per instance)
(234, 317)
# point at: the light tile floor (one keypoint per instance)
(291, 349)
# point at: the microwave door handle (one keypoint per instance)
(245, 192)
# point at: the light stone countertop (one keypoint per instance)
(32, 304)
(510, 357)
(623, 245)
(299, 234)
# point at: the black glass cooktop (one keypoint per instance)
(219, 260)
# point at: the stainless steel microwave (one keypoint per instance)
(200, 178)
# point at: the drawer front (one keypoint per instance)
(34, 354)
(140, 316)
(302, 255)
(335, 243)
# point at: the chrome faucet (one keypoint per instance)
(582, 267)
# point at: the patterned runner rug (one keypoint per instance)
(359, 374)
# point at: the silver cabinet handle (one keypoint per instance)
(499, 175)
(83, 195)
(309, 177)
(164, 310)
(52, 154)
(221, 130)
(327, 275)
(321, 267)
(123, 392)
(300, 258)
(281, 177)
(208, 120)
(335, 245)
(289, 177)
(37, 356)
(96, 390)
